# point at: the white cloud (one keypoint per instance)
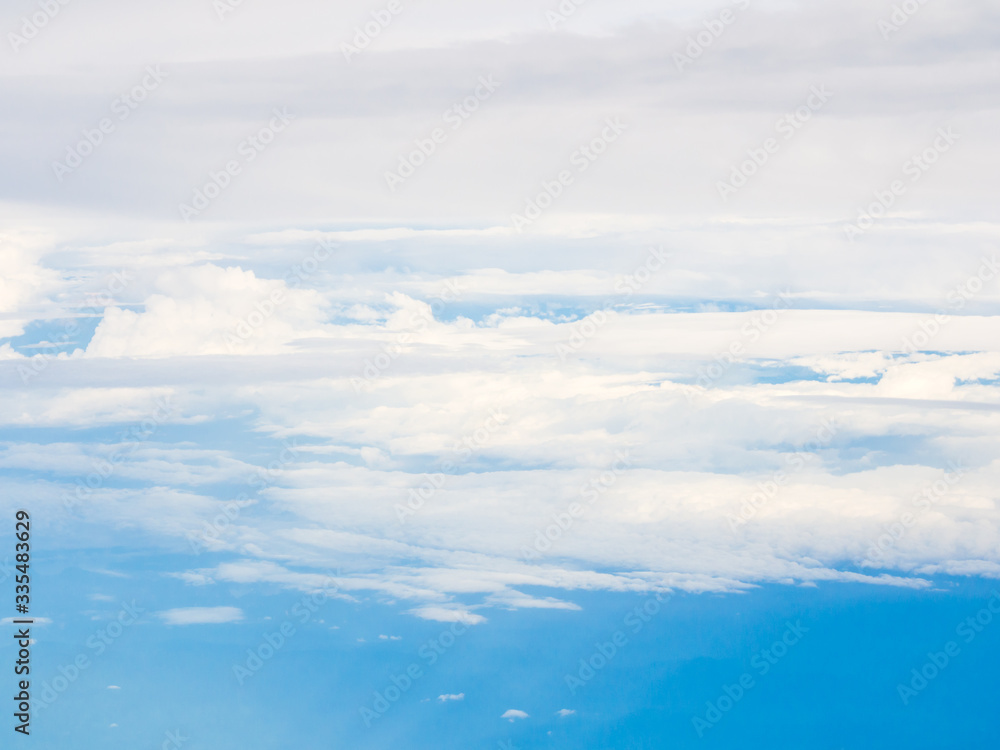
(35, 620)
(201, 615)
(451, 697)
(443, 614)
(209, 310)
(564, 712)
(512, 713)
(697, 455)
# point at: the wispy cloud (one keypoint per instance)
(201, 615)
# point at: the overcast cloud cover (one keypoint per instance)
(508, 320)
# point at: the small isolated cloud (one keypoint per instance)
(112, 726)
(390, 637)
(512, 713)
(451, 697)
(113, 687)
(193, 579)
(565, 712)
(202, 615)
(444, 614)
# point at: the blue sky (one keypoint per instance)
(516, 319)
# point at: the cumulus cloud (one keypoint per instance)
(451, 697)
(512, 713)
(209, 310)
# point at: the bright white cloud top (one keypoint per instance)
(651, 387)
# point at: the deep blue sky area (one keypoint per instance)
(835, 687)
